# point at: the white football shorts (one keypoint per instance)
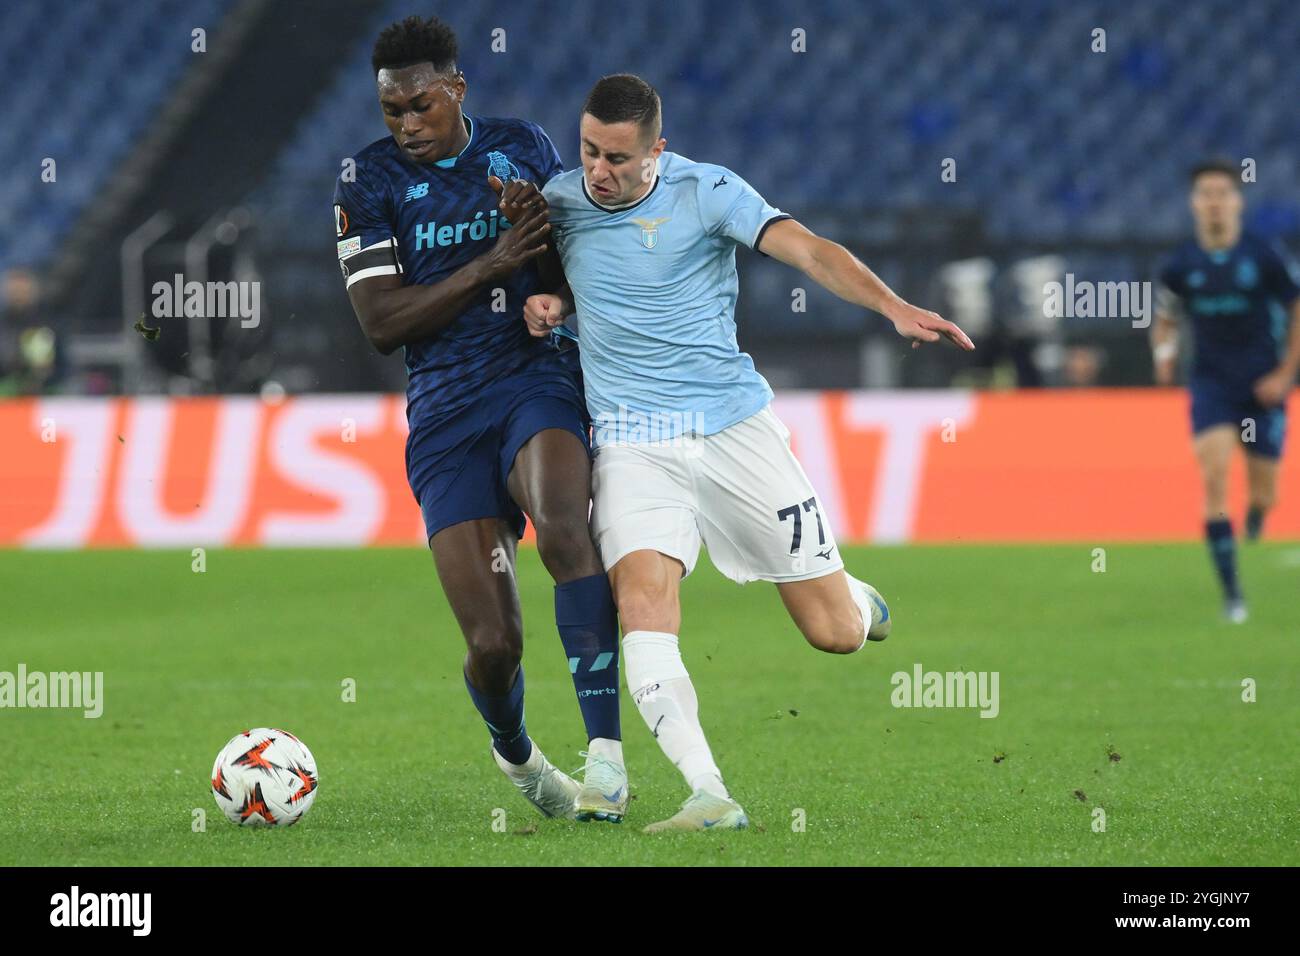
(741, 492)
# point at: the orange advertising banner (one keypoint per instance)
(889, 466)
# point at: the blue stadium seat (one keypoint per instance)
(101, 65)
(1051, 139)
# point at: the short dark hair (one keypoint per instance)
(413, 41)
(1215, 165)
(624, 98)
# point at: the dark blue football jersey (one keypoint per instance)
(423, 222)
(1235, 301)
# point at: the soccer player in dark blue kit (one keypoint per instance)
(1240, 296)
(438, 232)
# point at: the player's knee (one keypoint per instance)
(494, 654)
(564, 545)
(647, 605)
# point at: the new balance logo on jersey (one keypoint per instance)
(430, 234)
(418, 191)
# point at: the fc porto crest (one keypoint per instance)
(650, 230)
(499, 165)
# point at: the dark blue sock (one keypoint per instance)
(504, 717)
(588, 626)
(1218, 534)
(1254, 522)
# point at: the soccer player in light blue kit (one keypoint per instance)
(687, 449)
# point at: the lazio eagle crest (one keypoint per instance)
(650, 230)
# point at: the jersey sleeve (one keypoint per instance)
(1169, 298)
(1283, 276)
(549, 163)
(364, 230)
(731, 208)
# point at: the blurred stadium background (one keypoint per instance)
(219, 165)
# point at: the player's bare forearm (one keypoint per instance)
(1164, 347)
(830, 265)
(837, 270)
(393, 315)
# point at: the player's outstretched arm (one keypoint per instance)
(393, 315)
(833, 267)
(1164, 332)
(1164, 347)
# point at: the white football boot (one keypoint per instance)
(872, 606)
(1235, 612)
(703, 811)
(603, 795)
(550, 790)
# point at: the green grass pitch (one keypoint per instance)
(1119, 690)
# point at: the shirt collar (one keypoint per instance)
(450, 161)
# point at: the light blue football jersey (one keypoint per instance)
(655, 288)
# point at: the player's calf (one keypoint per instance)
(824, 611)
(837, 613)
(1261, 474)
(836, 631)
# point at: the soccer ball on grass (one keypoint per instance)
(264, 777)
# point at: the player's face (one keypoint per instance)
(1216, 202)
(618, 159)
(422, 110)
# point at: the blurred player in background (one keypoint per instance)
(1234, 292)
(437, 233)
(687, 448)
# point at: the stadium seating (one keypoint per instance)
(1052, 141)
(91, 75)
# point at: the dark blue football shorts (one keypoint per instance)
(457, 467)
(1221, 403)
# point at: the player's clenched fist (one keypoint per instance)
(542, 313)
(1273, 388)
